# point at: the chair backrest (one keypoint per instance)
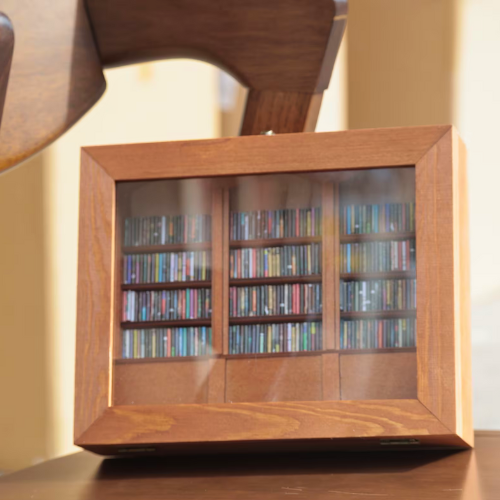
(282, 50)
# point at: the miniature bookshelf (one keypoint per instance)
(278, 245)
(347, 381)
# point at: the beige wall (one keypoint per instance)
(23, 335)
(401, 55)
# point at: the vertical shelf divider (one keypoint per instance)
(116, 313)
(216, 382)
(330, 361)
(225, 272)
(336, 263)
(330, 304)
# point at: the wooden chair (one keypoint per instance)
(282, 50)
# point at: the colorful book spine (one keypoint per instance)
(166, 342)
(284, 223)
(273, 338)
(166, 267)
(275, 300)
(377, 333)
(378, 256)
(167, 229)
(290, 260)
(166, 305)
(378, 295)
(386, 218)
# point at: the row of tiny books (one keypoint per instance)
(274, 300)
(167, 342)
(285, 223)
(167, 229)
(290, 260)
(377, 256)
(390, 217)
(378, 295)
(271, 338)
(377, 333)
(167, 267)
(167, 305)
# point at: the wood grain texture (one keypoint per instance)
(94, 296)
(406, 475)
(378, 376)
(268, 154)
(6, 50)
(285, 45)
(331, 376)
(436, 299)
(254, 380)
(217, 381)
(134, 425)
(281, 112)
(56, 76)
(175, 382)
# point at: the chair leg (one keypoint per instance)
(281, 112)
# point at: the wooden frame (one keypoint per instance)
(441, 413)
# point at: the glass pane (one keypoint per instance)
(266, 288)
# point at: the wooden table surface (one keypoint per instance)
(403, 475)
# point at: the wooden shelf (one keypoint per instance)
(174, 285)
(282, 280)
(145, 325)
(389, 275)
(172, 247)
(261, 355)
(378, 351)
(133, 361)
(411, 313)
(355, 238)
(291, 318)
(274, 242)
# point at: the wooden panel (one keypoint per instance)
(331, 377)
(161, 383)
(274, 379)
(462, 288)
(95, 292)
(6, 49)
(378, 376)
(217, 381)
(261, 421)
(55, 78)
(437, 307)
(268, 154)
(285, 45)
(329, 294)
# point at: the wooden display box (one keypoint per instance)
(302, 291)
